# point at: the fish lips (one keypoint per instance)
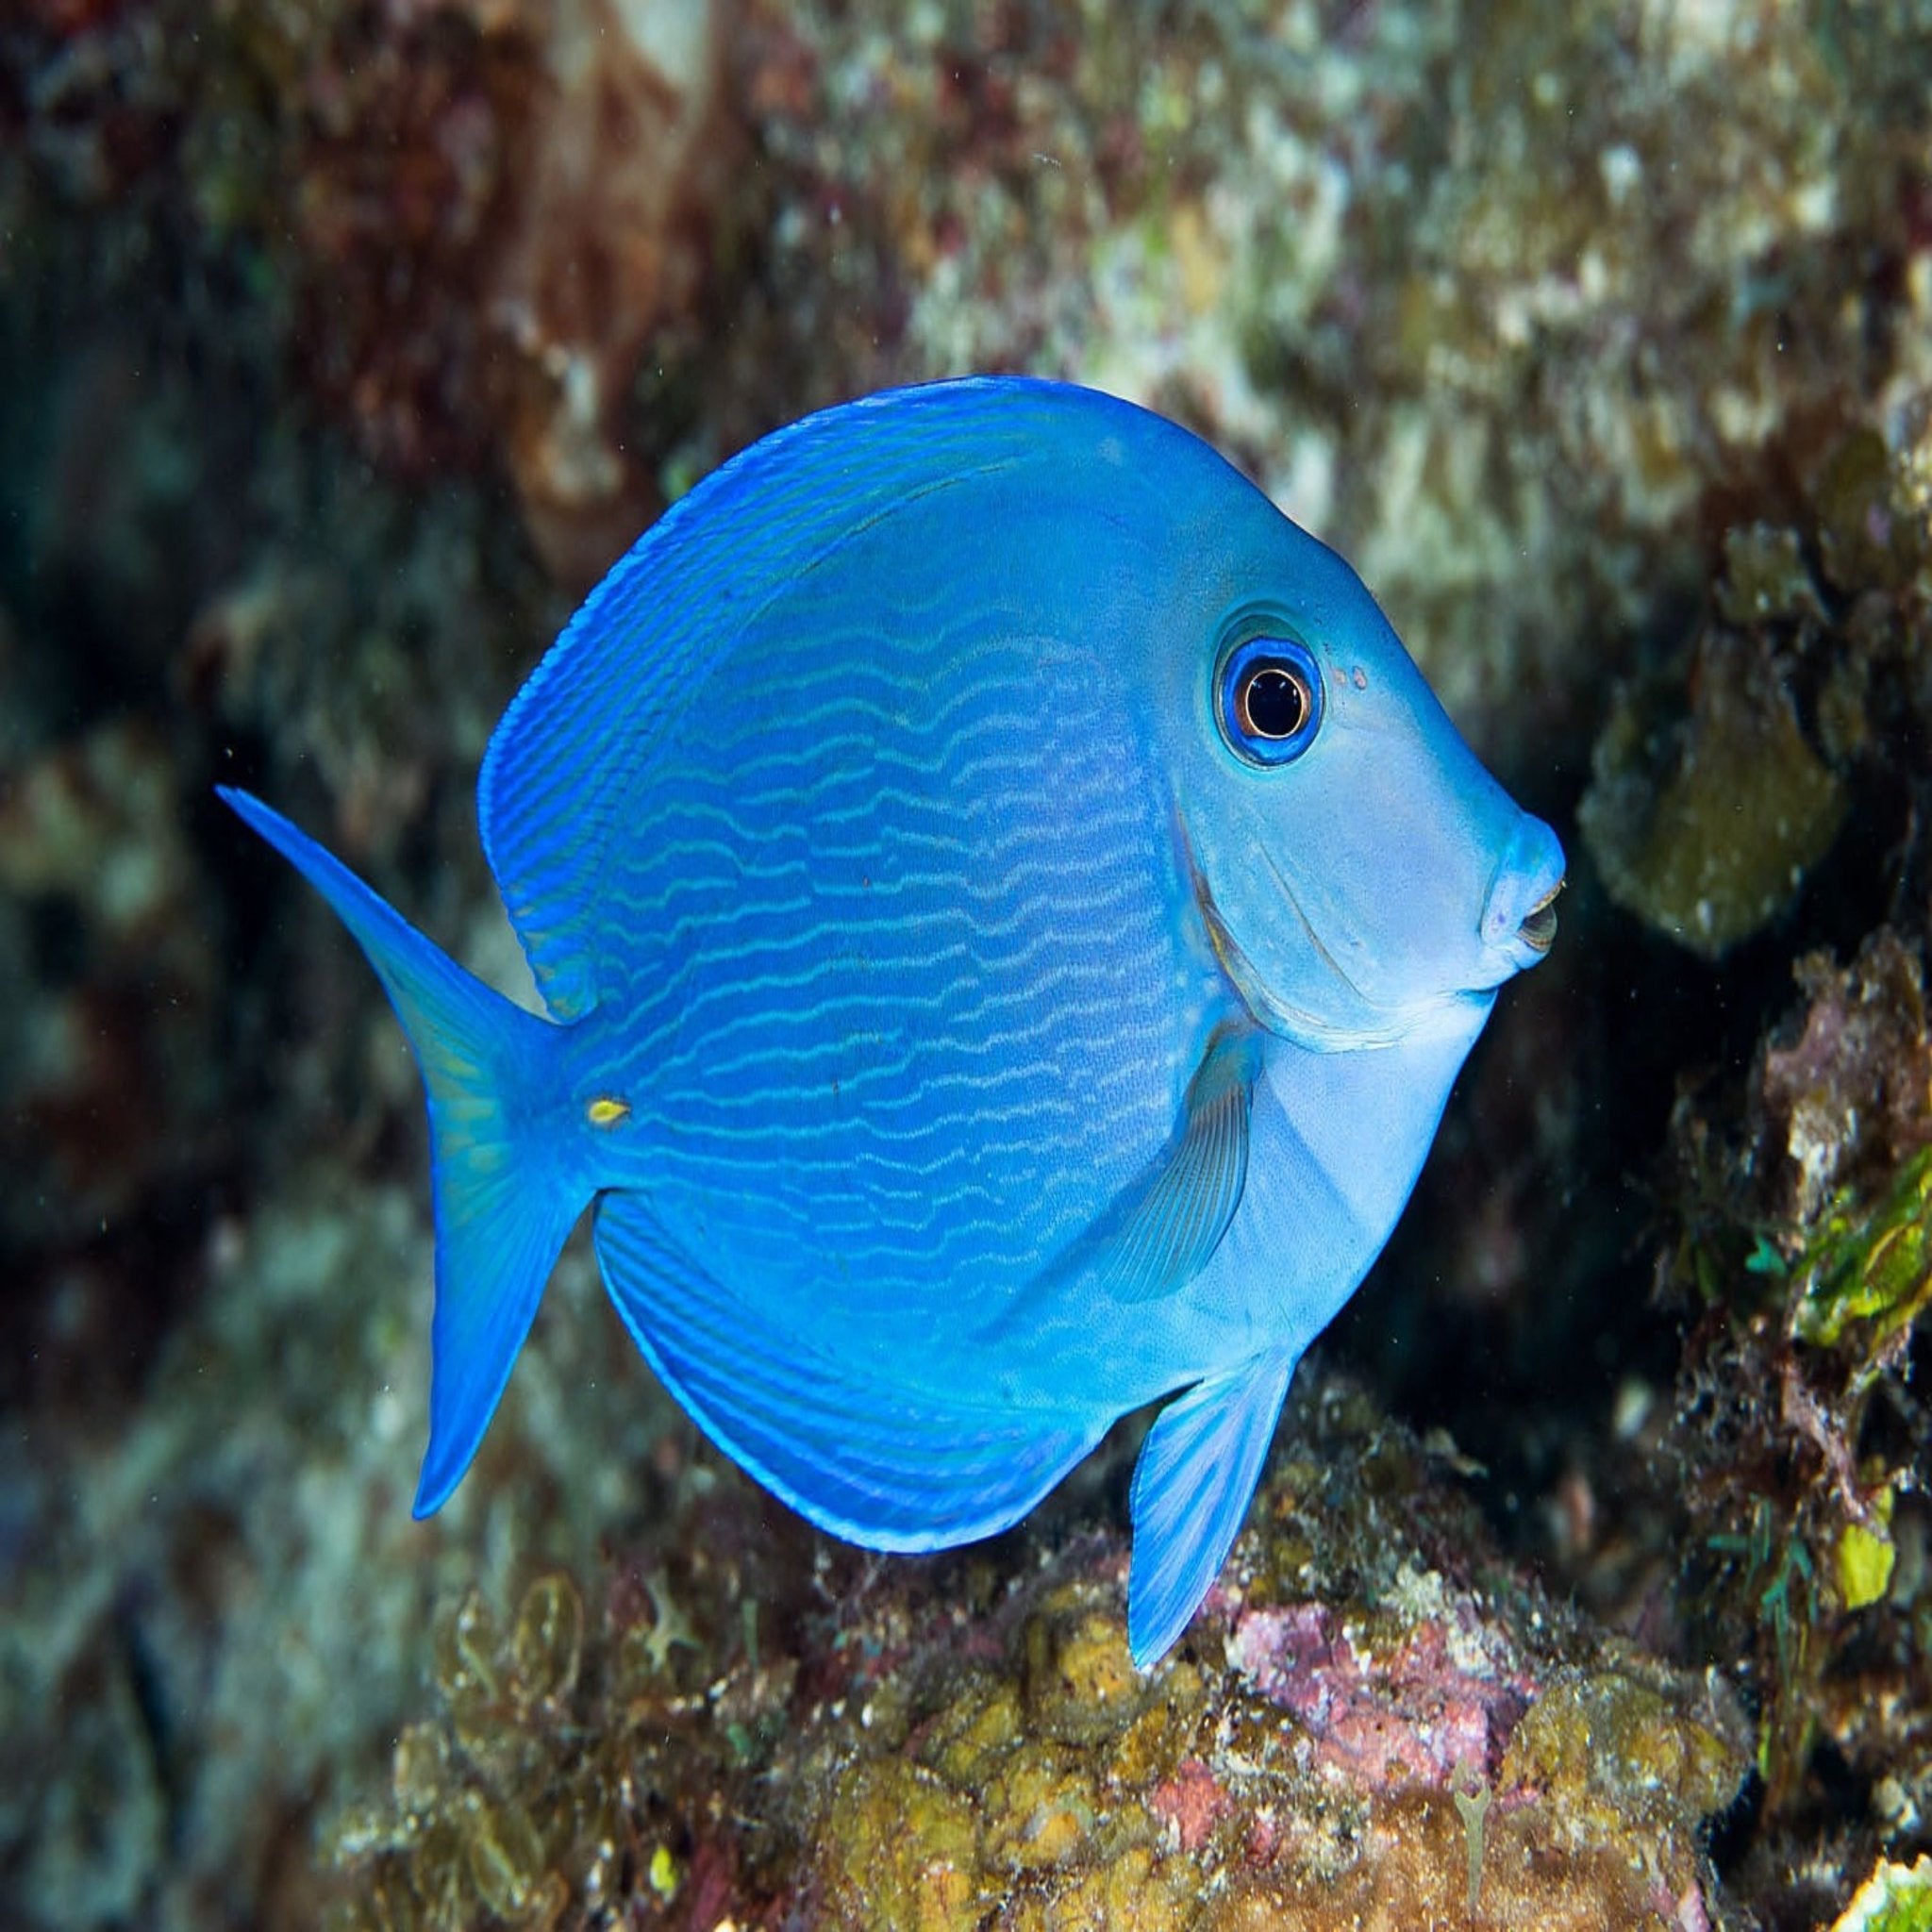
(1519, 917)
(1537, 930)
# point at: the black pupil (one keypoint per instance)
(1275, 701)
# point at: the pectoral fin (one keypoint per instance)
(1192, 1484)
(1157, 1233)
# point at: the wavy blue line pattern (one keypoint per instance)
(892, 968)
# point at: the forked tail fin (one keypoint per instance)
(505, 1191)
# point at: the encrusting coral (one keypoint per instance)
(1797, 1196)
(1375, 1721)
(1804, 1237)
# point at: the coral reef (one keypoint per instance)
(215, 1608)
(481, 223)
(1795, 1196)
(1376, 1722)
(1497, 297)
(1808, 1245)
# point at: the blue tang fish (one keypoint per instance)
(1008, 912)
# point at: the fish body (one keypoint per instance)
(1008, 914)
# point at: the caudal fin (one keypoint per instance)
(506, 1197)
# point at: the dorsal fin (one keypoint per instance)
(617, 678)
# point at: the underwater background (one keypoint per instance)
(343, 345)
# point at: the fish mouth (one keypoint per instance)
(1539, 928)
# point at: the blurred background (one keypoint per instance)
(343, 343)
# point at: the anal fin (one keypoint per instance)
(1193, 1485)
(886, 1462)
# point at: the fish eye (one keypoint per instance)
(1269, 700)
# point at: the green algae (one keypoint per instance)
(1806, 1238)
(1720, 782)
(1706, 825)
(1867, 1555)
(1869, 1263)
(1872, 530)
(903, 1848)
(1766, 578)
(547, 1642)
(1614, 1751)
(1896, 1898)
(505, 1810)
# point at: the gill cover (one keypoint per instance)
(1352, 857)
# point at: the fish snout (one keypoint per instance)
(1520, 916)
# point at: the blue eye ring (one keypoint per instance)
(1268, 699)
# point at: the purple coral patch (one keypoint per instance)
(1438, 1700)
